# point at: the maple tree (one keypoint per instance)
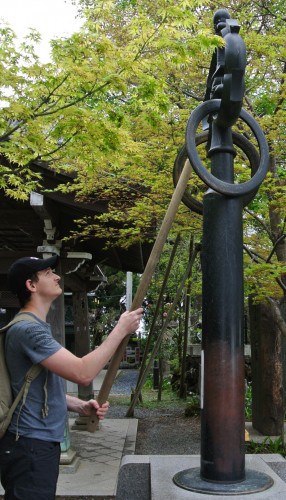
(112, 105)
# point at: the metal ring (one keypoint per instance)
(213, 182)
(241, 142)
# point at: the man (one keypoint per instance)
(30, 449)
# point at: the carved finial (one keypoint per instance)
(219, 20)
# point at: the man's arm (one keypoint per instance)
(83, 370)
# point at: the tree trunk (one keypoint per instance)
(161, 379)
(267, 369)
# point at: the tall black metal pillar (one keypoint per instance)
(222, 468)
(222, 441)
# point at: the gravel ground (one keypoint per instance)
(160, 431)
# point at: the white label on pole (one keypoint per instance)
(202, 378)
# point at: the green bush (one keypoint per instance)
(193, 408)
(268, 445)
(248, 403)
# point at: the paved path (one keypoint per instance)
(125, 381)
(100, 453)
(100, 456)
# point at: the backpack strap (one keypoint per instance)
(31, 374)
(19, 317)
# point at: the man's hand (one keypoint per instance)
(86, 408)
(129, 321)
(92, 404)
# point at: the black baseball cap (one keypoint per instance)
(24, 268)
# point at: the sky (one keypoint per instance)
(52, 18)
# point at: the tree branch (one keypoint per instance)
(274, 247)
(259, 221)
(281, 92)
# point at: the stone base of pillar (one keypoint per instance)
(69, 462)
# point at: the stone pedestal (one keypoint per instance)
(151, 477)
(69, 462)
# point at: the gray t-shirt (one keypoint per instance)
(28, 343)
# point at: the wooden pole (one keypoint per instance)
(143, 287)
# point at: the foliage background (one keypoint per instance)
(112, 105)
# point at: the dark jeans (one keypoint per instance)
(29, 468)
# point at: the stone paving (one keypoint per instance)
(100, 453)
(100, 456)
(159, 473)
